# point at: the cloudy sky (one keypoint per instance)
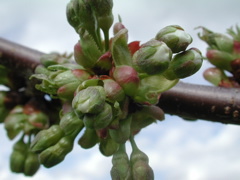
(177, 149)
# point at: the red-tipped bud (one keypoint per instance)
(127, 78)
(220, 59)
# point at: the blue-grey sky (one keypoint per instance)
(177, 149)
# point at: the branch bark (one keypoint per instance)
(186, 100)
(210, 103)
(21, 59)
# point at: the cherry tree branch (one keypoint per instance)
(186, 100)
(210, 103)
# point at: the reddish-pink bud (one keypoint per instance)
(134, 46)
(220, 59)
(103, 64)
(236, 47)
(127, 78)
(114, 91)
(117, 27)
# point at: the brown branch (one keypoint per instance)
(187, 100)
(21, 59)
(210, 103)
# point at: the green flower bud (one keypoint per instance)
(100, 120)
(220, 59)
(90, 82)
(108, 146)
(127, 78)
(66, 92)
(88, 139)
(175, 37)
(150, 88)
(114, 92)
(215, 76)
(184, 64)
(15, 121)
(18, 156)
(121, 166)
(216, 41)
(122, 134)
(72, 18)
(85, 15)
(55, 154)
(70, 123)
(59, 68)
(38, 120)
(139, 161)
(69, 76)
(153, 57)
(117, 27)
(89, 100)
(31, 164)
(46, 138)
(103, 12)
(53, 59)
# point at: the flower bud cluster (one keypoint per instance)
(136, 167)
(54, 143)
(112, 88)
(25, 119)
(223, 53)
(23, 160)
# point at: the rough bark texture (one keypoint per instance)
(187, 100)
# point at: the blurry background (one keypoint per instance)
(177, 149)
